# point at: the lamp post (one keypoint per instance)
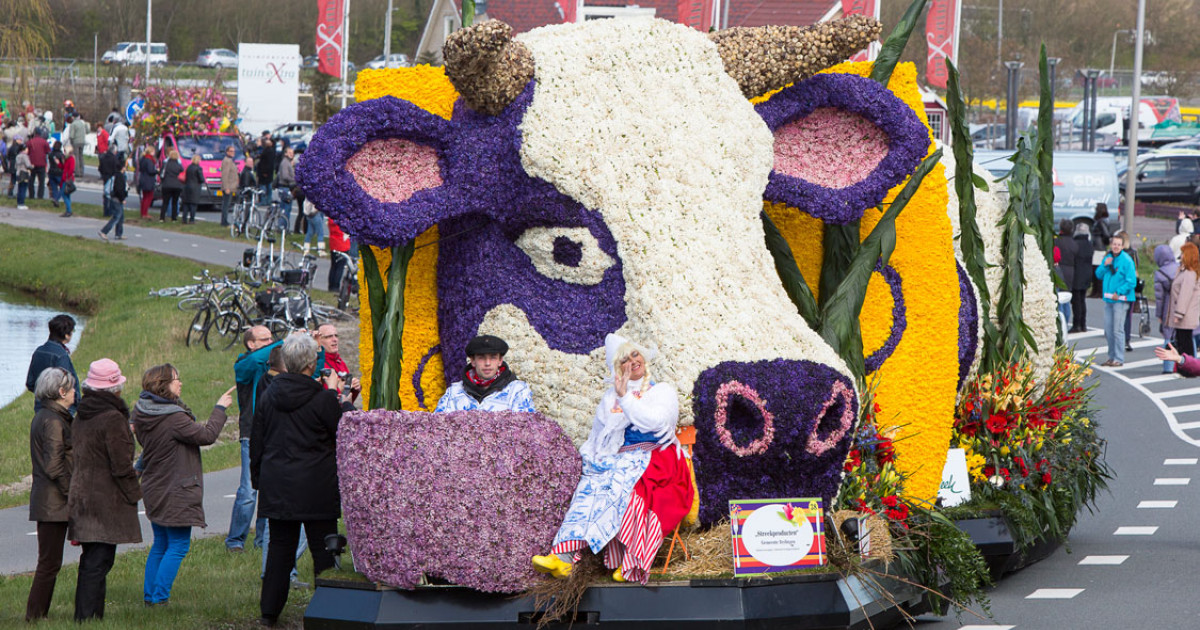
(1052, 63)
(387, 37)
(147, 45)
(1131, 172)
(1112, 59)
(1014, 82)
(1089, 132)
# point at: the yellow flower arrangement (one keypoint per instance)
(426, 87)
(919, 381)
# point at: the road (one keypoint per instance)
(1130, 564)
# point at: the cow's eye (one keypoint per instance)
(570, 254)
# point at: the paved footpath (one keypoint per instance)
(17, 534)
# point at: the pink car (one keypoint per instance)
(211, 148)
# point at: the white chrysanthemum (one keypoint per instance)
(638, 120)
(1040, 307)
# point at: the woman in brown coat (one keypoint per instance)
(50, 451)
(102, 503)
(172, 479)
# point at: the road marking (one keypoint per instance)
(1092, 332)
(229, 496)
(1172, 481)
(1136, 531)
(1054, 593)
(1186, 409)
(1148, 342)
(31, 534)
(1139, 364)
(1157, 378)
(141, 512)
(1177, 393)
(1182, 461)
(1103, 560)
(196, 245)
(1156, 505)
(979, 627)
(1172, 421)
(221, 250)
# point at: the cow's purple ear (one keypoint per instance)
(841, 142)
(375, 168)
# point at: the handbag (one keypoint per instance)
(23, 176)
(69, 187)
(183, 176)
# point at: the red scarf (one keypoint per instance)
(474, 378)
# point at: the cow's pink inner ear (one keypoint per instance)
(394, 169)
(831, 147)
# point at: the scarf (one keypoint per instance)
(479, 389)
(152, 405)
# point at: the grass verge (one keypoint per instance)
(210, 228)
(214, 589)
(108, 286)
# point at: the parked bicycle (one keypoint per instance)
(347, 293)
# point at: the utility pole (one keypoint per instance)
(345, 47)
(387, 37)
(1131, 172)
(147, 44)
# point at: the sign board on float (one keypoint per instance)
(956, 481)
(268, 86)
(773, 535)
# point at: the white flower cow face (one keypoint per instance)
(619, 191)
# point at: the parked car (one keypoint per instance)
(211, 148)
(217, 58)
(311, 62)
(394, 60)
(298, 134)
(135, 53)
(1168, 176)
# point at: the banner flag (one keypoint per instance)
(941, 35)
(329, 37)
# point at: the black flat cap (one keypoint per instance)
(486, 344)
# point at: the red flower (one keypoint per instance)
(899, 513)
(876, 408)
(885, 452)
(988, 471)
(997, 423)
(1020, 461)
(1046, 478)
(853, 460)
(863, 507)
(1044, 464)
(891, 500)
(1004, 473)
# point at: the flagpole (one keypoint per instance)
(345, 46)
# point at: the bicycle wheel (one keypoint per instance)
(222, 331)
(343, 296)
(199, 324)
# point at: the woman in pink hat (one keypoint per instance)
(102, 502)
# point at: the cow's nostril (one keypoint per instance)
(832, 421)
(751, 408)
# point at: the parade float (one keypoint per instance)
(778, 227)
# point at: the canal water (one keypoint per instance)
(22, 330)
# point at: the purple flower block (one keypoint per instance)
(770, 429)
(468, 497)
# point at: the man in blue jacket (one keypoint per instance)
(1117, 279)
(53, 353)
(248, 371)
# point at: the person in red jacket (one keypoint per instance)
(101, 139)
(38, 150)
(68, 178)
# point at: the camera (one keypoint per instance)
(326, 372)
(346, 380)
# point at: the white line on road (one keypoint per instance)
(1139, 364)
(1187, 426)
(1054, 593)
(1092, 332)
(1157, 378)
(1103, 560)
(1186, 409)
(1172, 481)
(1182, 461)
(981, 627)
(1177, 393)
(229, 496)
(31, 534)
(195, 245)
(1157, 505)
(1135, 531)
(1148, 342)
(1172, 421)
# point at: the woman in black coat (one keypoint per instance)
(293, 465)
(172, 186)
(147, 179)
(193, 183)
(1083, 276)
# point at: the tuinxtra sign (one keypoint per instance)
(772, 535)
(268, 85)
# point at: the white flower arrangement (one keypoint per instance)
(638, 120)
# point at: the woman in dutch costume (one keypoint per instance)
(636, 485)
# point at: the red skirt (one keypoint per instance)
(660, 500)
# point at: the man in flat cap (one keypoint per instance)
(488, 383)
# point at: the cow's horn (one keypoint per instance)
(487, 66)
(767, 58)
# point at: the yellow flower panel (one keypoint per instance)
(919, 380)
(428, 88)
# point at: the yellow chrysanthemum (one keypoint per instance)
(919, 380)
(428, 88)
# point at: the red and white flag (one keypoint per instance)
(330, 37)
(941, 36)
(863, 7)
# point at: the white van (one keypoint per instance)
(135, 53)
(1111, 112)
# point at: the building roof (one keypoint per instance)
(782, 12)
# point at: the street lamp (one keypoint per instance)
(1089, 95)
(1112, 59)
(1052, 62)
(1014, 81)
